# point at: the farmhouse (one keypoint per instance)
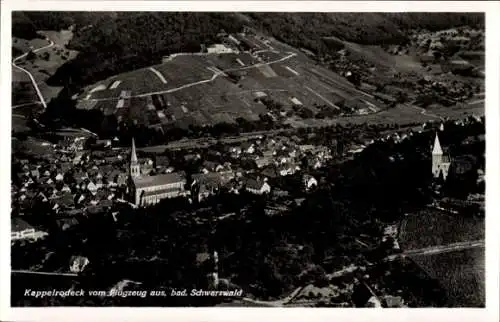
(146, 190)
(219, 49)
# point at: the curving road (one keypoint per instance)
(33, 81)
(423, 111)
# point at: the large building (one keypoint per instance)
(21, 230)
(146, 190)
(441, 161)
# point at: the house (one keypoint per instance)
(66, 223)
(288, 169)
(223, 167)
(41, 196)
(161, 161)
(373, 302)
(121, 180)
(65, 166)
(309, 182)
(35, 174)
(21, 230)
(219, 49)
(92, 187)
(317, 164)
(262, 162)
(207, 184)
(269, 172)
(236, 150)
(257, 186)
(112, 177)
(78, 263)
(209, 165)
(66, 200)
(393, 301)
(59, 177)
(98, 183)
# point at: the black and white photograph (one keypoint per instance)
(247, 159)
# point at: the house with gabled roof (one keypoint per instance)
(257, 186)
(92, 187)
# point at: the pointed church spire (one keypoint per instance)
(437, 146)
(133, 156)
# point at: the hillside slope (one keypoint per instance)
(111, 43)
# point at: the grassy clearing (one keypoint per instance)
(47, 61)
(26, 45)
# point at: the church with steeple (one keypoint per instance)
(150, 189)
(441, 161)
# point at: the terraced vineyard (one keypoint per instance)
(460, 273)
(434, 228)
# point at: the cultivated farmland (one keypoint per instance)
(460, 273)
(430, 227)
(205, 89)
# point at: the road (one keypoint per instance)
(476, 102)
(275, 303)
(437, 249)
(175, 89)
(423, 111)
(42, 273)
(205, 142)
(26, 104)
(33, 81)
(322, 97)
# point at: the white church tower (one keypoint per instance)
(135, 169)
(440, 161)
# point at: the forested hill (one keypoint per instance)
(307, 29)
(111, 43)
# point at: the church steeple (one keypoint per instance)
(134, 164)
(437, 150)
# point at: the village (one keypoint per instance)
(290, 171)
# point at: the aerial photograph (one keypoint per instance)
(247, 159)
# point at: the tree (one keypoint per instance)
(31, 56)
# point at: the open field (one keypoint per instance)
(382, 59)
(460, 273)
(46, 61)
(431, 227)
(24, 45)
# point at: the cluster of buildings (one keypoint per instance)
(68, 180)
(251, 166)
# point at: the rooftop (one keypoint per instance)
(254, 183)
(162, 191)
(159, 180)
